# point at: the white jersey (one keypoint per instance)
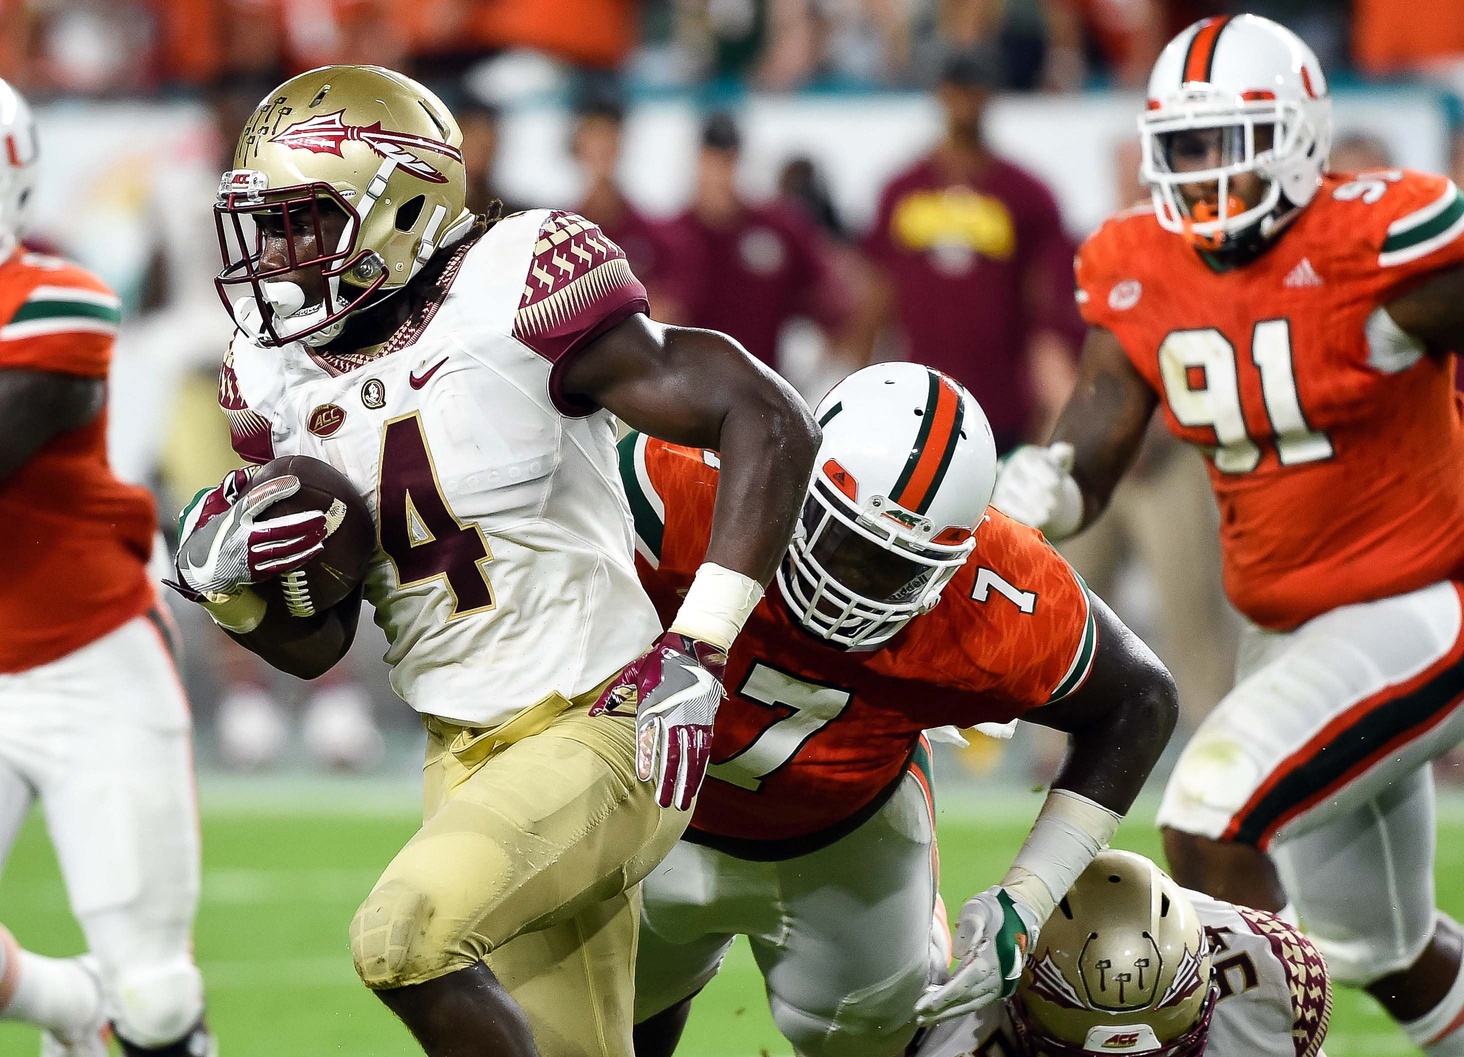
(505, 567)
(1275, 997)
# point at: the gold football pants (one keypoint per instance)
(535, 839)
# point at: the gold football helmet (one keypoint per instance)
(351, 173)
(1121, 967)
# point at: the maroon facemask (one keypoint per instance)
(289, 214)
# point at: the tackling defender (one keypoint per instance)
(814, 835)
(1132, 963)
(93, 720)
(465, 374)
(1299, 327)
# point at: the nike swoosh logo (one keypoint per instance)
(417, 381)
(702, 686)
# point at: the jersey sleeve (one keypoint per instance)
(1419, 227)
(1103, 290)
(1305, 971)
(66, 322)
(672, 491)
(249, 431)
(1035, 633)
(579, 285)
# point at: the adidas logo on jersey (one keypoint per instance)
(1302, 275)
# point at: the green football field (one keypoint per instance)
(283, 873)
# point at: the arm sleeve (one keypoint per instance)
(1039, 634)
(67, 324)
(578, 286)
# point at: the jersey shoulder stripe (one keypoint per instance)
(1078, 671)
(1424, 230)
(647, 509)
(55, 309)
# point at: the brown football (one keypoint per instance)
(337, 570)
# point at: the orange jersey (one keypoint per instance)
(812, 739)
(1336, 454)
(74, 541)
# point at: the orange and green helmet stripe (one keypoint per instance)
(1199, 61)
(935, 445)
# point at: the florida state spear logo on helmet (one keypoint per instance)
(324, 134)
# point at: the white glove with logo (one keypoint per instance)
(228, 544)
(1035, 486)
(993, 935)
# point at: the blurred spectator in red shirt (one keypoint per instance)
(752, 268)
(649, 246)
(975, 266)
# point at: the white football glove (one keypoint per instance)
(993, 935)
(1035, 486)
(235, 547)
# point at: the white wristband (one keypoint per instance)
(1069, 833)
(240, 611)
(717, 604)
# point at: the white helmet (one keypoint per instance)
(903, 476)
(1228, 76)
(18, 151)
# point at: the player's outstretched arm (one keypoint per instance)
(700, 388)
(1431, 314)
(36, 406)
(1118, 723)
(1067, 484)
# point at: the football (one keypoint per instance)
(337, 570)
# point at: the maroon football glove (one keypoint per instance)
(675, 690)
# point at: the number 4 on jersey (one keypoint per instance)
(419, 531)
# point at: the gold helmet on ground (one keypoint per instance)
(1121, 967)
(353, 170)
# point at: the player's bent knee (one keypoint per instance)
(876, 1022)
(1211, 784)
(157, 1005)
(389, 938)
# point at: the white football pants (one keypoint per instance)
(842, 934)
(1320, 755)
(102, 738)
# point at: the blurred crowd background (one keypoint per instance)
(830, 181)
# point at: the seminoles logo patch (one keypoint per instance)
(326, 419)
(324, 134)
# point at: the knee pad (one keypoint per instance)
(158, 1005)
(389, 941)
